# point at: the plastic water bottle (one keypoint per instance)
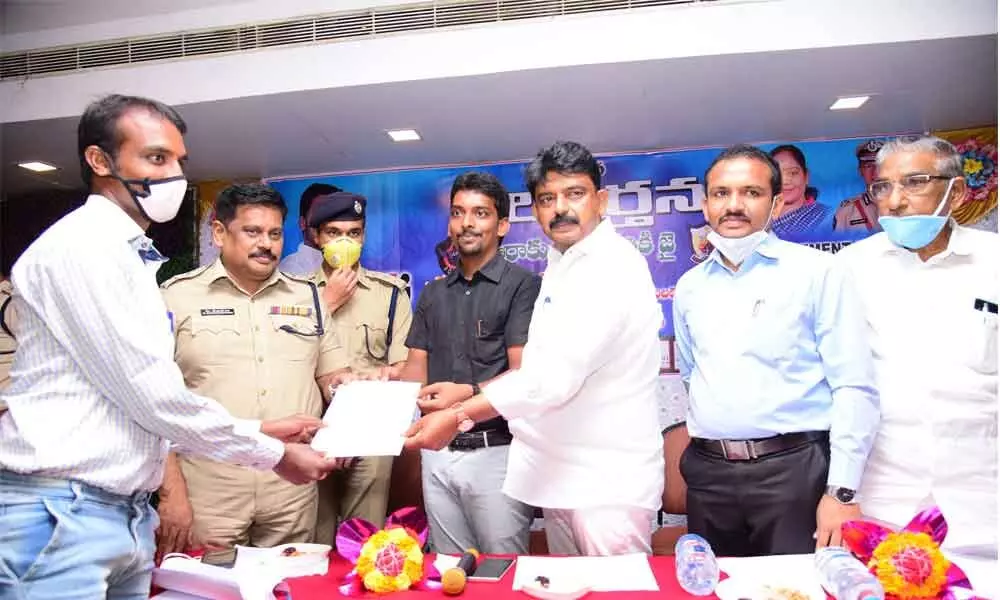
(845, 577)
(697, 570)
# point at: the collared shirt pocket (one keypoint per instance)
(368, 340)
(217, 338)
(488, 340)
(774, 330)
(293, 337)
(975, 339)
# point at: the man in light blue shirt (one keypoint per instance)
(783, 408)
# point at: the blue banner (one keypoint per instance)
(653, 199)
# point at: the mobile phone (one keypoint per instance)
(223, 558)
(491, 569)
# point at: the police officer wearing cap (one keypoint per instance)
(307, 258)
(371, 314)
(860, 213)
(262, 343)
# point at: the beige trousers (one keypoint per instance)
(361, 491)
(237, 505)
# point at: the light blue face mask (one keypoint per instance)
(913, 232)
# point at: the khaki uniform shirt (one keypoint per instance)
(362, 322)
(857, 213)
(235, 348)
(7, 343)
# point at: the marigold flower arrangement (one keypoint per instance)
(386, 560)
(908, 563)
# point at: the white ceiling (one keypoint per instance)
(677, 103)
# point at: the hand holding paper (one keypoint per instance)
(367, 418)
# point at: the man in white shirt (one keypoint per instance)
(582, 408)
(308, 258)
(930, 293)
(95, 393)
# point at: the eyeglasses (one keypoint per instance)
(917, 183)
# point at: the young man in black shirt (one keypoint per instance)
(470, 327)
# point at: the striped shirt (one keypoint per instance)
(95, 393)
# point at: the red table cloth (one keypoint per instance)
(325, 587)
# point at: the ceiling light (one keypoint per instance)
(849, 103)
(36, 166)
(404, 135)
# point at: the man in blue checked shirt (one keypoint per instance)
(771, 345)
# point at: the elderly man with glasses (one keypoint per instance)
(930, 292)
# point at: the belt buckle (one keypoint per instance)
(738, 450)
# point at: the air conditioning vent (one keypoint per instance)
(104, 55)
(467, 13)
(157, 48)
(399, 20)
(293, 32)
(211, 42)
(515, 10)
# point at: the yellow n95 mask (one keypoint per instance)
(342, 253)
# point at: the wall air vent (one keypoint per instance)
(303, 30)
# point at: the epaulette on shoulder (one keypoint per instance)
(185, 276)
(308, 279)
(387, 278)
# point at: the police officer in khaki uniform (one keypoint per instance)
(7, 343)
(860, 212)
(261, 343)
(372, 314)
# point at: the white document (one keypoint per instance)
(367, 418)
(624, 573)
(753, 577)
(765, 566)
(184, 578)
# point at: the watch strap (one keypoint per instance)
(842, 494)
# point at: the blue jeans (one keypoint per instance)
(66, 539)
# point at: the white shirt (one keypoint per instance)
(583, 408)
(936, 371)
(95, 392)
(304, 261)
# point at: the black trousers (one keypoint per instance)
(759, 507)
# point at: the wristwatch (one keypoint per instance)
(464, 422)
(841, 494)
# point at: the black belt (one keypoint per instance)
(474, 440)
(741, 450)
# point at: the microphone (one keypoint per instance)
(454, 579)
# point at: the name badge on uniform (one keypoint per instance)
(985, 306)
(218, 312)
(292, 311)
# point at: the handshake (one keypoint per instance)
(301, 464)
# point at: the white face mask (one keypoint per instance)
(738, 249)
(159, 199)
